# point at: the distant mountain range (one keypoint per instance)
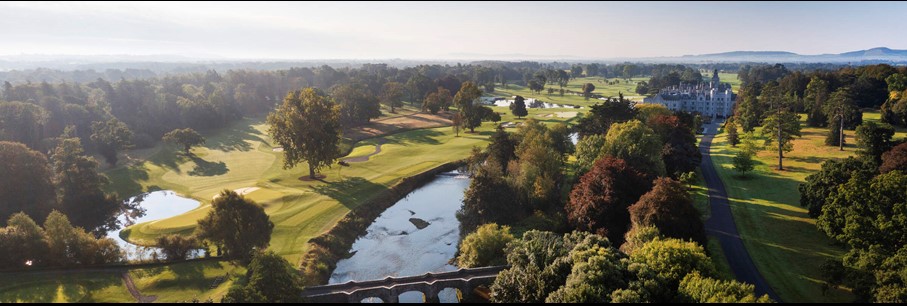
(202, 62)
(880, 54)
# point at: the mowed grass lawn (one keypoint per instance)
(782, 239)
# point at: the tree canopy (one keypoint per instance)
(599, 202)
(111, 137)
(638, 145)
(307, 127)
(271, 279)
(485, 247)
(184, 137)
(236, 224)
(27, 182)
(669, 207)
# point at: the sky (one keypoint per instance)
(448, 30)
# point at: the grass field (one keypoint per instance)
(184, 282)
(782, 239)
(56, 287)
(575, 85)
(726, 78)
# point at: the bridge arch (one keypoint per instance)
(390, 288)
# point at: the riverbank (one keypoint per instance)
(332, 246)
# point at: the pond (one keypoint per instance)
(148, 207)
(416, 235)
(532, 103)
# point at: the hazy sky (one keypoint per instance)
(446, 30)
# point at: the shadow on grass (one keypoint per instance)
(235, 138)
(424, 136)
(74, 287)
(206, 168)
(125, 181)
(168, 158)
(350, 191)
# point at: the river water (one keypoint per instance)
(155, 205)
(395, 246)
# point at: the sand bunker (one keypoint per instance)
(566, 114)
(241, 191)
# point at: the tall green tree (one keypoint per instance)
(732, 136)
(588, 149)
(485, 247)
(817, 95)
(518, 108)
(392, 95)
(238, 225)
(81, 188)
(22, 240)
(307, 127)
(637, 144)
(488, 199)
(69, 245)
(356, 104)
(588, 88)
(781, 127)
(743, 162)
(111, 137)
(22, 122)
(818, 186)
(418, 86)
(602, 115)
(842, 112)
(26, 182)
(184, 137)
(874, 138)
(472, 113)
(432, 103)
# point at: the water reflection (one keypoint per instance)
(395, 246)
(147, 207)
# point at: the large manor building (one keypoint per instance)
(714, 99)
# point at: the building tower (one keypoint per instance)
(715, 80)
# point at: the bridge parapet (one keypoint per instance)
(389, 288)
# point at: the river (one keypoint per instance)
(394, 244)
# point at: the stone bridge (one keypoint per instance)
(389, 289)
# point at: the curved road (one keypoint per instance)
(721, 224)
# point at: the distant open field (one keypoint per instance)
(575, 85)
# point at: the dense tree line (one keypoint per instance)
(579, 267)
(516, 175)
(861, 204)
(57, 243)
(664, 76)
(830, 98)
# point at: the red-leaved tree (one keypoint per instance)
(669, 207)
(599, 202)
(894, 159)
